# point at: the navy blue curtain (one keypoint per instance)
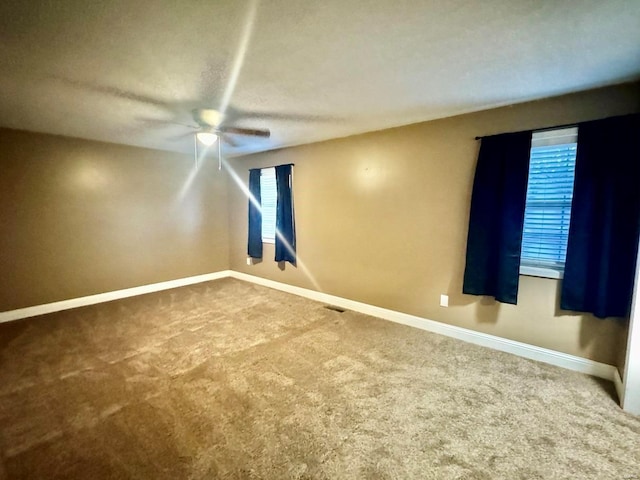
(497, 217)
(285, 221)
(605, 218)
(254, 248)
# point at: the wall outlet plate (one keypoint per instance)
(249, 261)
(444, 300)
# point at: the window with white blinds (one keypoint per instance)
(548, 206)
(268, 196)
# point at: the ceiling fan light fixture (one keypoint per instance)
(206, 138)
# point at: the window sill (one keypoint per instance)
(269, 240)
(540, 272)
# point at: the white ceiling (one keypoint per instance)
(121, 70)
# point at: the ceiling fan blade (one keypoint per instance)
(114, 91)
(175, 138)
(254, 132)
(236, 113)
(194, 127)
(154, 122)
(229, 141)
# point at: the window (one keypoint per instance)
(268, 195)
(548, 206)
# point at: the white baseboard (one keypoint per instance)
(564, 360)
(525, 350)
(107, 297)
(617, 381)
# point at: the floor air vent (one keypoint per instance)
(335, 309)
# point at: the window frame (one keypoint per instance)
(542, 138)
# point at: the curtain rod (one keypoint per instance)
(273, 166)
(566, 125)
(556, 127)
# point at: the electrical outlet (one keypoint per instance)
(444, 300)
(249, 262)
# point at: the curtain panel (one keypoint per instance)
(285, 218)
(497, 215)
(605, 218)
(254, 247)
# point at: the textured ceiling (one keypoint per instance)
(121, 71)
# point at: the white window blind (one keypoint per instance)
(548, 205)
(268, 196)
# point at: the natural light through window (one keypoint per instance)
(548, 205)
(268, 195)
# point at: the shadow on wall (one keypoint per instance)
(282, 265)
(607, 387)
(595, 333)
(487, 309)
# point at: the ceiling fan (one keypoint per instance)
(209, 128)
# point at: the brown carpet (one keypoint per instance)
(231, 380)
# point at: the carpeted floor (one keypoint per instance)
(230, 380)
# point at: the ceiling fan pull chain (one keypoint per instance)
(195, 149)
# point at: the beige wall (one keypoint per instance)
(621, 358)
(81, 217)
(382, 219)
